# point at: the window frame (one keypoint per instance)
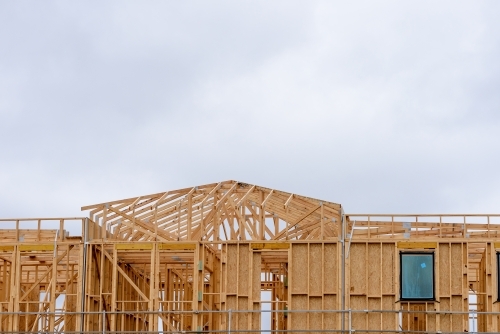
(498, 276)
(414, 299)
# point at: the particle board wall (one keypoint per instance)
(482, 289)
(314, 285)
(372, 278)
(489, 294)
(372, 284)
(241, 269)
(452, 285)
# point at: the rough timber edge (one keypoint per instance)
(257, 187)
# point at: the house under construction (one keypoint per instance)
(235, 257)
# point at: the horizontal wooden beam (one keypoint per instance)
(417, 245)
(270, 245)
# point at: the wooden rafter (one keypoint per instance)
(189, 213)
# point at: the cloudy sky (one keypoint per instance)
(387, 106)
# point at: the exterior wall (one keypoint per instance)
(372, 284)
(314, 273)
(487, 300)
(242, 272)
(373, 272)
(300, 276)
(125, 281)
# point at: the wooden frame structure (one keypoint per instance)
(214, 258)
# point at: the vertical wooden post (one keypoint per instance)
(104, 220)
(189, 216)
(52, 305)
(79, 285)
(114, 291)
(198, 282)
(15, 290)
(262, 214)
(322, 223)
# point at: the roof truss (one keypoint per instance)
(227, 210)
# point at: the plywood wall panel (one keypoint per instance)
(315, 318)
(256, 317)
(298, 320)
(445, 319)
(388, 319)
(243, 317)
(387, 267)
(299, 260)
(456, 269)
(431, 319)
(330, 319)
(359, 320)
(244, 263)
(331, 274)
(256, 270)
(232, 304)
(374, 318)
(316, 264)
(358, 260)
(444, 269)
(315, 269)
(374, 262)
(232, 269)
(458, 320)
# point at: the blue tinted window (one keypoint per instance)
(498, 276)
(417, 276)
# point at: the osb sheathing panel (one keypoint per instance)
(444, 270)
(372, 280)
(313, 280)
(330, 321)
(256, 289)
(374, 271)
(457, 269)
(487, 284)
(358, 319)
(357, 262)
(389, 321)
(315, 272)
(242, 317)
(243, 288)
(232, 269)
(374, 319)
(330, 284)
(387, 268)
(244, 270)
(315, 318)
(299, 269)
(298, 320)
(256, 277)
(452, 292)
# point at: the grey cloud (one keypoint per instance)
(382, 107)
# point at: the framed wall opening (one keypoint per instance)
(417, 278)
(274, 290)
(498, 275)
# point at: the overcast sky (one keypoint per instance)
(380, 106)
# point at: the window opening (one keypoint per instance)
(498, 276)
(417, 276)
